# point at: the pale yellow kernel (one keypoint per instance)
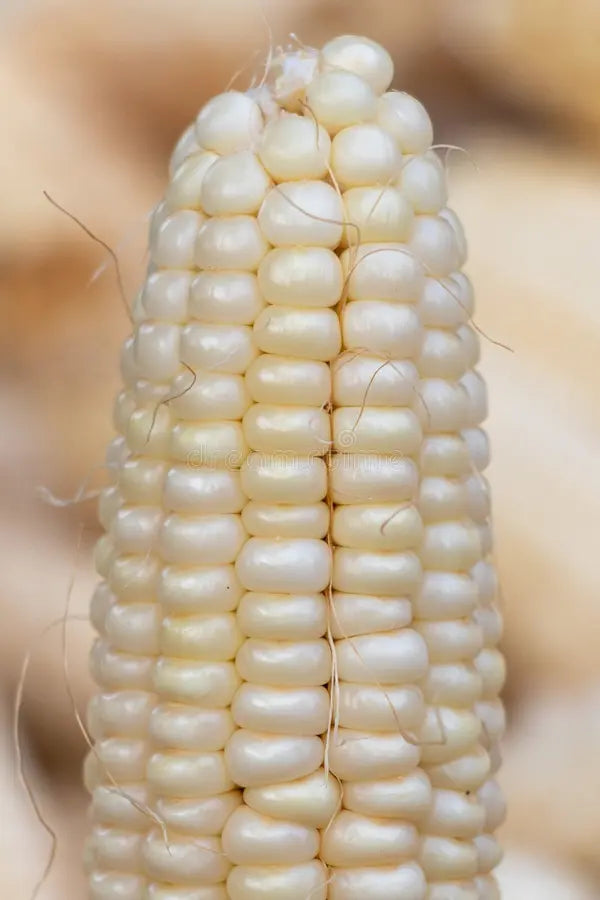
(211, 539)
(234, 185)
(373, 429)
(135, 529)
(210, 684)
(286, 521)
(304, 333)
(122, 758)
(448, 734)
(461, 242)
(255, 759)
(165, 295)
(368, 477)
(464, 773)
(444, 408)
(190, 728)
(493, 801)
(124, 713)
(230, 242)
(133, 627)
(206, 589)
(362, 56)
(338, 99)
(434, 242)
(359, 378)
(396, 657)
(112, 808)
(285, 663)
(354, 840)
(283, 380)
(452, 640)
(229, 122)
(489, 852)
(185, 146)
(442, 355)
(390, 330)
(207, 444)
(294, 147)
(216, 348)
(379, 883)
(287, 429)
(281, 710)
(200, 637)
(249, 838)
(185, 188)
(406, 797)
(444, 858)
(187, 860)
(382, 527)
(282, 616)
(289, 479)
(407, 120)
(423, 183)
(354, 614)
(442, 498)
(454, 814)
(388, 574)
(198, 816)
(295, 882)
(306, 213)
(376, 215)
(385, 271)
(203, 490)
(106, 885)
(452, 684)
(380, 709)
(311, 801)
(113, 670)
(361, 755)
(227, 298)
(301, 276)
(174, 240)
(188, 774)
(364, 155)
(156, 351)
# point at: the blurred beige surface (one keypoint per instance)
(93, 96)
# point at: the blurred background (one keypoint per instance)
(92, 97)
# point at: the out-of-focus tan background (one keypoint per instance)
(92, 97)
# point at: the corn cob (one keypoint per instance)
(296, 654)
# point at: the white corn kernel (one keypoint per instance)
(363, 57)
(230, 242)
(185, 189)
(225, 298)
(407, 120)
(338, 99)
(255, 758)
(294, 148)
(234, 185)
(310, 801)
(301, 276)
(229, 122)
(364, 155)
(307, 213)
